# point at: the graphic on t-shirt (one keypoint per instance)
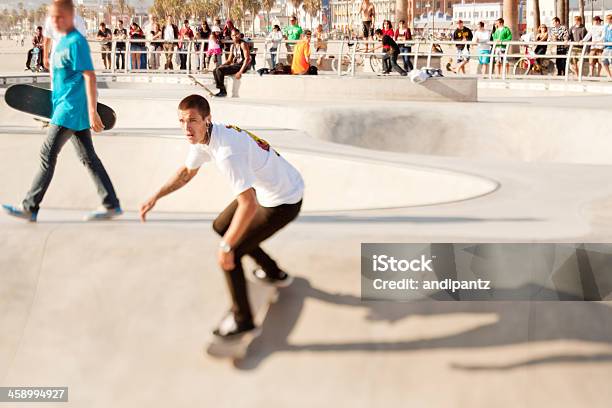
(260, 142)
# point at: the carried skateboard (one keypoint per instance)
(199, 83)
(261, 296)
(37, 102)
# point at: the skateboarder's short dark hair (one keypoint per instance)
(67, 5)
(196, 102)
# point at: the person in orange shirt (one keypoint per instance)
(301, 55)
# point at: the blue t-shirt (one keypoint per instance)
(608, 35)
(71, 57)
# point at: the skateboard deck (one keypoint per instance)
(37, 102)
(261, 296)
(199, 83)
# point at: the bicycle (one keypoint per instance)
(530, 63)
(374, 60)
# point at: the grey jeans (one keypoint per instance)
(56, 139)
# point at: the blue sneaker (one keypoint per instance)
(19, 212)
(103, 214)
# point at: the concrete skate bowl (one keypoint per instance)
(490, 131)
(140, 159)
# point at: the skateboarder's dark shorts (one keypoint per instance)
(266, 222)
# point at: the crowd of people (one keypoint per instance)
(167, 44)
(598, 54)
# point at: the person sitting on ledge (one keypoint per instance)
(236, 64)
(301, 55)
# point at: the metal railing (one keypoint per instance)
(349, 57)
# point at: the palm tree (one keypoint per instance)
(536, 14)
(296, 5)
(267, 7)
(312, 7)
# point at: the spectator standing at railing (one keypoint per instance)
(202, 34)
(214, 50)
(185, 37)
(607, 52)
(216, 28)
(273, 41)
(387, 30)
(368, 14)
(391, 53)
(596, 35)
(148, 30)
(559, 33)
(120, 33)
(576, 34)
(157, 46)
(293, 32)
(540, 49)
(320, 44)
(463, 35)
(105, 35)
(37, 43)
(170, 36)
(137, 47)
(403, 34)
(226, 36)
(236, 64)
(481, 38)
(501, 35)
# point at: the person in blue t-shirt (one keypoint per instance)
(607, 52)
(74, 114)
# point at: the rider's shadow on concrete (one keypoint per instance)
(516, 323)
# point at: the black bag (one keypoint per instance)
(312, 70)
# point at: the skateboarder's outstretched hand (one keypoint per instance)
(146, 207)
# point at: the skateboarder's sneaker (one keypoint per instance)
(229, 330)
(103, 213)
(19, 212)
(282, 280)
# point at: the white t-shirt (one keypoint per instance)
(169, 33)
(482, 38)
(248, 161)
(215, 29)
(596, 34)
(49, 31)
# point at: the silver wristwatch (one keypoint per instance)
(225, 247)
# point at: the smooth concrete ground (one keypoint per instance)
(120, 311)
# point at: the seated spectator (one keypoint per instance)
(237, 63)
(301, 55)
(37, 47)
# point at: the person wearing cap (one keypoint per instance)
(463, 35)
(596, 35)
(268, 193)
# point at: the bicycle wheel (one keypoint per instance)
(522, 67)
(375, 63)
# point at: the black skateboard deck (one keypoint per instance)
(37, 101)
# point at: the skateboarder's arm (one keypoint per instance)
(90, 90)
(182, 177)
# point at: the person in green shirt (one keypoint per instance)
(502, 34)
(293, 33)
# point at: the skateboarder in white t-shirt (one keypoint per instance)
(268, 194)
